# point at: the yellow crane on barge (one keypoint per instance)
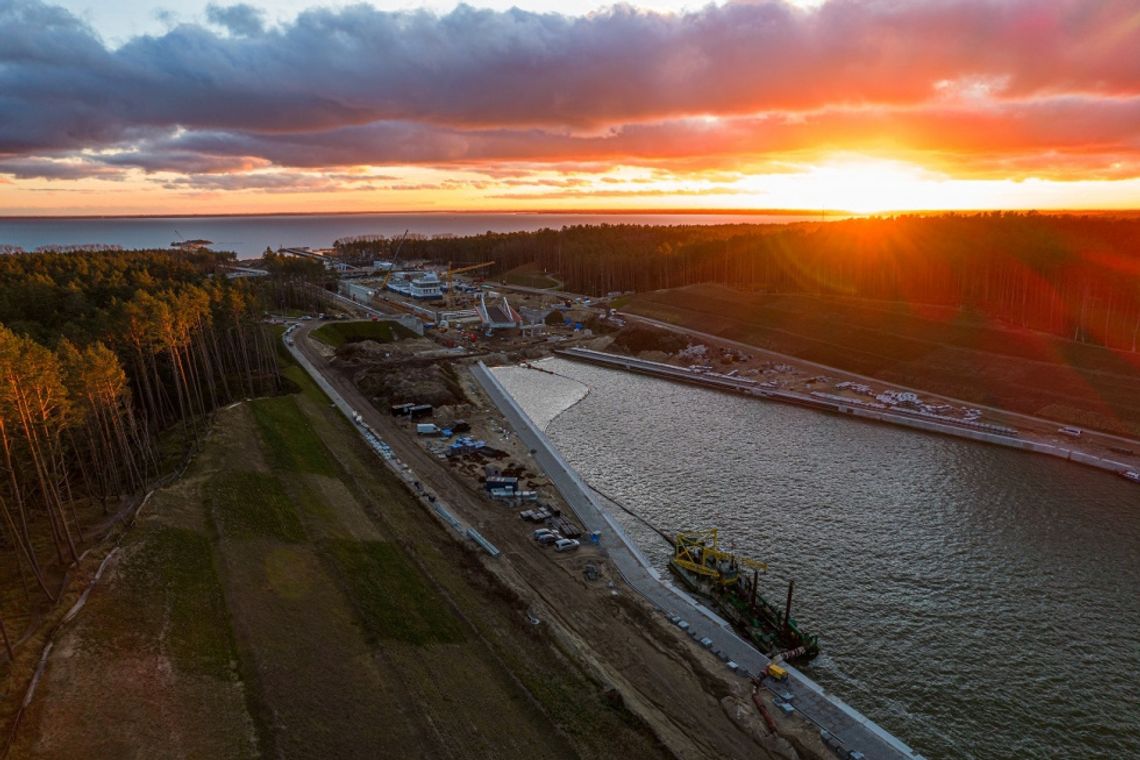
(719, 575)
(699, 551)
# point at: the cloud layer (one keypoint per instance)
(1009, 88)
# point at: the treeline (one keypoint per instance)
(102, 357)
(1071, 275)
(294, 282)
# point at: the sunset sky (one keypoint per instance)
(179, 106)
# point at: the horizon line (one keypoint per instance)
(827, 212)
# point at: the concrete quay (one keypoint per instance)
(750, 387)
(851, 733)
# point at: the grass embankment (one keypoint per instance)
(392, 598)
(942, 350)
(529, 276)
(170, 581)
(336, 334)
(290, 597)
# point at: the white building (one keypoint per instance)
(426, 285)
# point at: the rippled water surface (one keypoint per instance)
(976, 601)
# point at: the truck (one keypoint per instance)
(427, 428)
(420, 410)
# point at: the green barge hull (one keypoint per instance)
(752, 615)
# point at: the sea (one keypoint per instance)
(249, 236)
(980, 603)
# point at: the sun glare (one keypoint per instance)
(869, 186)
(872, 185)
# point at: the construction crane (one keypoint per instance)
(699, 552)
(447, 276)
(395, 258)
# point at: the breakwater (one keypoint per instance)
(836, 405)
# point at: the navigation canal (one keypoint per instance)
(977, 602)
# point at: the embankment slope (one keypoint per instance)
(950, 352)
(289, 598)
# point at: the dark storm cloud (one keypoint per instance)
(359, 85)
(44, 168)
(240, 20)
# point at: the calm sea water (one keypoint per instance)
(977, 602)
(248, 236)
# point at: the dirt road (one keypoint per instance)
(680, 691)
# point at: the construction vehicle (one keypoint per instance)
(721, 576)
(776, 672)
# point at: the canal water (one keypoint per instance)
(976, 601)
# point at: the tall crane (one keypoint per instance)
(447, 276)
(395, 258)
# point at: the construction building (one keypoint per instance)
(498, 315)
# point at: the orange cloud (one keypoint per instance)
(1000, 89)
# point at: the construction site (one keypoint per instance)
(481, 479)
(464, 483)
(455, 302)
(467, 445)
(421, 400)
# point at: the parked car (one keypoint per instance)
(546, 539)
(566, 545)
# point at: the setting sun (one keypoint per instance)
(728, 106)
(867, 186)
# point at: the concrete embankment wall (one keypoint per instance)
(979, 435)
(827, 711)
(680, 374)
(564, 477)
